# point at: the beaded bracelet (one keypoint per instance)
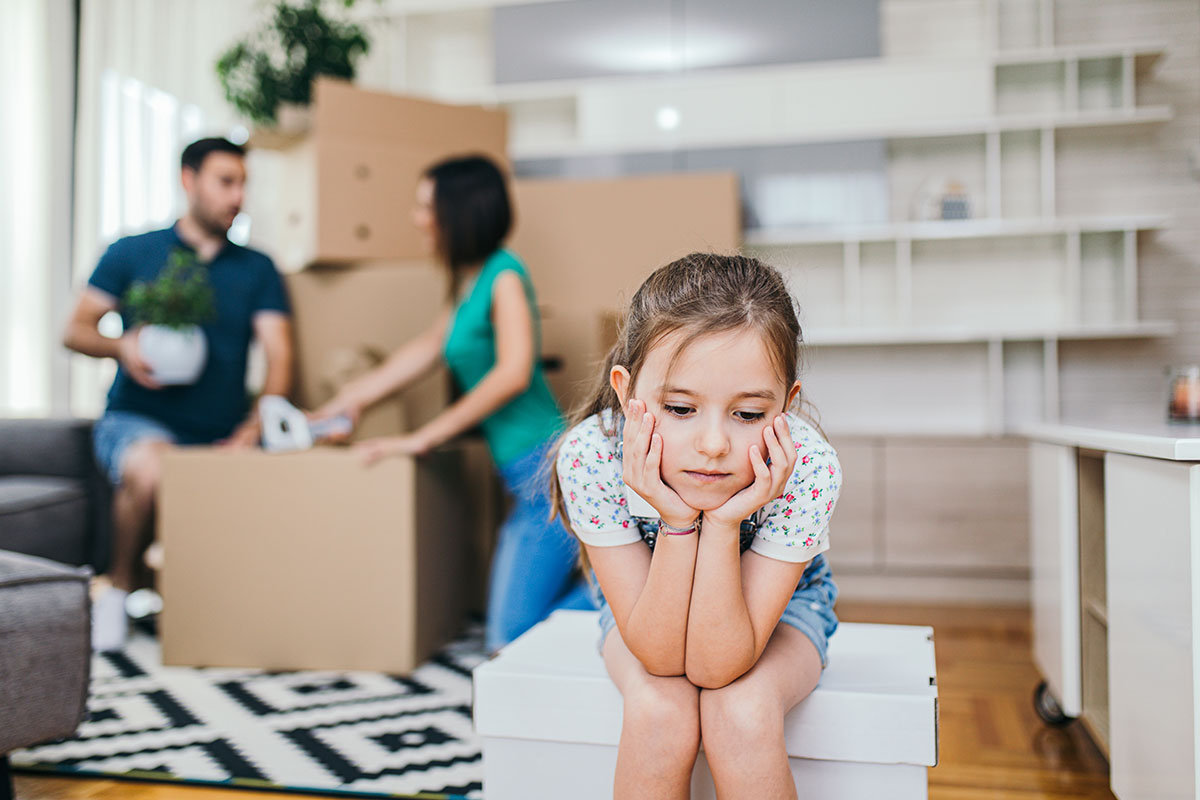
(671, 530)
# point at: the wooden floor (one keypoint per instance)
(992, 744)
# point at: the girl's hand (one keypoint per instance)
(642, 467)
(768, 480)
(374, 450)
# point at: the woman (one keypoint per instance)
(489, 337)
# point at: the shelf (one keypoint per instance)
(851, 337)
(952, 229)
(1146, 54)
(899, 98)
(979, 126)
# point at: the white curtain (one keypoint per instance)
(36, 86)
(147, 86)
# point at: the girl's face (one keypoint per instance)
(720, 395)
(423, 215)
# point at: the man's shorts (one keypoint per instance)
(114, 432)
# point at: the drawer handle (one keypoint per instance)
(362, 172)
(362, 232)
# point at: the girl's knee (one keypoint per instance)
(738, 716)
(664, 715)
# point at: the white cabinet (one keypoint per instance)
(1115, 519)
(1054, 571)
(1153, 552)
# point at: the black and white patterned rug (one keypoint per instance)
(360, 733)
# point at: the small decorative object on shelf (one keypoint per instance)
(273, 68)
(941, 198)
(171, 309)
(954, 203)
(1184, 386)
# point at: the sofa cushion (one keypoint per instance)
(46, 517)
(61, 447)
(45, 660)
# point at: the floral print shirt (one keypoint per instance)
(794, 527)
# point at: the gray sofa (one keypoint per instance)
(54, 503)
(55, 511)
(46, 655)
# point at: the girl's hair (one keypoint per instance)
(472, 209)
(699, 294)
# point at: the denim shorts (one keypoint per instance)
(810, 610)
(114, 432)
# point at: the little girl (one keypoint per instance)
(703, 507)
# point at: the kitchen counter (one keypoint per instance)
(1149, 437)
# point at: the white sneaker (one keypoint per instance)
(143, 603)
(110, 626)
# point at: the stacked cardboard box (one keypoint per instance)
(589, 244)
(343, 191)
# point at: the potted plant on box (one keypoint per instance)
(170, 310)
(269, 74)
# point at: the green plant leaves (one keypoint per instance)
(278, 63)
(180, 296)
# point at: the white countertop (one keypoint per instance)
(1150, 437)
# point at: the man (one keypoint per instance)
(144, 419)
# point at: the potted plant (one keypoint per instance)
(170, 310)
(271, 71)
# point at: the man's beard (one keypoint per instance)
(211, 223)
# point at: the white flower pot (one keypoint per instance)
(176, 356)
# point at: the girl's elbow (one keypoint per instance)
(710, 679)
(656, 661)
(715, 676)
(662, 665)
(665, 668)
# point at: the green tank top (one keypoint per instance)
(530, 418)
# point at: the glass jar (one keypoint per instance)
(1183, 399)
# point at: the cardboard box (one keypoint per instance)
(311, 560)
(348, 320)
(344, 191)
(590, 243)
(550, 717)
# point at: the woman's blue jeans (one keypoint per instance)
(533, 567)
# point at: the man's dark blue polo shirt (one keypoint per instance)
(244, 283)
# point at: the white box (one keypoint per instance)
(550, 717)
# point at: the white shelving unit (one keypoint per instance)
(976, 307)
(1091, 86)
(994, 295)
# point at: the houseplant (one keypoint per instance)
(170, 310)
(275, 65)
